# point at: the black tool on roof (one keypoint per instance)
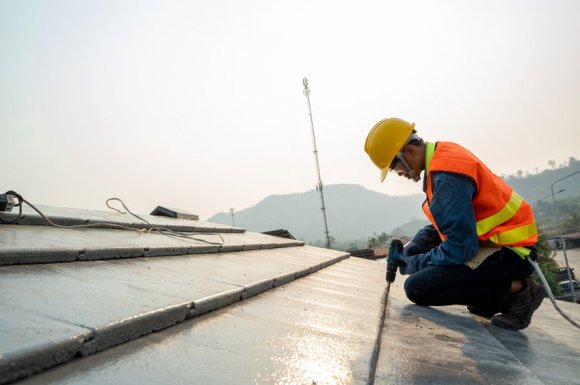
(173, 213)
(395, 248)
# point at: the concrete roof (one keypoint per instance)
(257, 310)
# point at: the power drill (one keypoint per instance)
(395, 248)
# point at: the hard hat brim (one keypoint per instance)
(384, 173)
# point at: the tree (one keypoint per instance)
(379, 240)
(570, 224)
(552, 163)
(547, 264)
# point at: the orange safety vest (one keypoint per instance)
(501, 215)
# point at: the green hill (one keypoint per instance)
(409, 229)
(533, 187)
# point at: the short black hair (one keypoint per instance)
(416, 141)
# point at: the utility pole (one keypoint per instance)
(319, 185)
(537, 211)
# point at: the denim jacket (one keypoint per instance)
(453, 213)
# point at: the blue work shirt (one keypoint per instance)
(452, 210)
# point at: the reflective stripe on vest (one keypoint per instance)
(521, 251)
(510, 209)
(515, 235)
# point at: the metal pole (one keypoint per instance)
(537, 212)
(319, 185)
(562, 236)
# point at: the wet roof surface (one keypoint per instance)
(265, 311)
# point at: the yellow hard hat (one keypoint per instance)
(385, 140)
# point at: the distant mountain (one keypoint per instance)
(409, 229)
(356, 213)
(533, 187)
(353, 212)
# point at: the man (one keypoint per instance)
(474, 251)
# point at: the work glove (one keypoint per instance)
(406, 262)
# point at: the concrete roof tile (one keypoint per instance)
(119, 300)
(281, 336)
(43, 244)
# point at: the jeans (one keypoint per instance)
(487, 287)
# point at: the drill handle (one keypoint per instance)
(395, 248)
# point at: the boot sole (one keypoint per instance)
(502, 325)
(480, 313)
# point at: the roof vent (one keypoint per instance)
(174, 213)
(282, 233)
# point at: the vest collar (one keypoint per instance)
(429, 151)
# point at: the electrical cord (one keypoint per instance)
(166, 232)
(549, 291)
(152, 228)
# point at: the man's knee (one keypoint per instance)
(415, 291)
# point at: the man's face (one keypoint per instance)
(410, 155)
(400, 169)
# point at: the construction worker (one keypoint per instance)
(474, 251)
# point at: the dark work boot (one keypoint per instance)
(482, 311)
(522, 305)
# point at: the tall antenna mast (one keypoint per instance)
(319, 186)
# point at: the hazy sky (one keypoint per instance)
(199, 104)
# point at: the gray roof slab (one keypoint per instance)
(549, 347)
(31, 343)
(138, 362)
(119, 300)
(338, 288)
(42, 244)
(120, 331)
(263, 239)
(446, 345)
(292, 334)
(216, 301)
(84, 292)
(549, 322)
(342, 315)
